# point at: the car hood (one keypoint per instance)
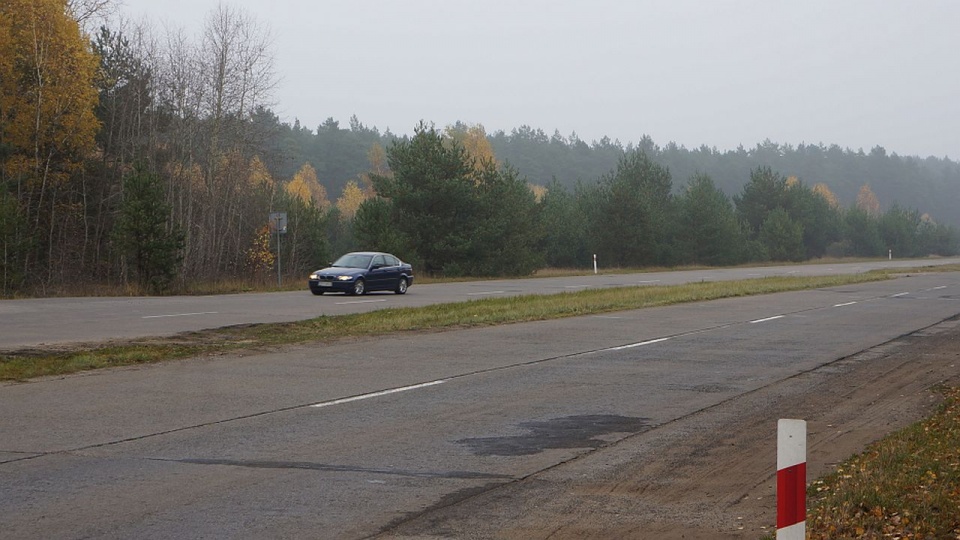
(341, 271)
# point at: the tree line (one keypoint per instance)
(456, 211)
(931, 184)
(149, 161)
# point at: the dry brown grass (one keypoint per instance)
(906, 486)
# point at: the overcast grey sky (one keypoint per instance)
(857, 73)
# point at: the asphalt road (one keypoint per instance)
(49, 321)
(352, 439)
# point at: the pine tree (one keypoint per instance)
(782, 236)
(630, 221)
(707, 230)
(143, 234)
(432, 195)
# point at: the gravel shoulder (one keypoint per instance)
(711, 474)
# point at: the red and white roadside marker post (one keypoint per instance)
(791, 479)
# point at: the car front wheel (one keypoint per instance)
(401, 286)
(359, 287)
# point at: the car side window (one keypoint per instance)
(379, 260)
(392, 261)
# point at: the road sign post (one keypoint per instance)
(278, 222)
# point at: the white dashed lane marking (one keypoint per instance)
(377, 394)
(768, 319)
(632, 345)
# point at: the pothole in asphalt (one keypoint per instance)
(565, 432)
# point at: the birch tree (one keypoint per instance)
(47, 123)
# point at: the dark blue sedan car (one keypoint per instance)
(363, 271)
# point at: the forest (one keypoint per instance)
(135, 160)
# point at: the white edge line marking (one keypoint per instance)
(899, 294)
(575, 286)
(938, 288)
(179, 315)
(767, 319)
(359, 302)
(377, 394)
(488, 292)
(650, 281)
(632, 345)
(844, 304)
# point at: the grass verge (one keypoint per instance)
(27, 364)
(905, 486)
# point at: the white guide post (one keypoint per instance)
(791, 479)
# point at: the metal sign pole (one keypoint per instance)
(279, 221)
(279, 279)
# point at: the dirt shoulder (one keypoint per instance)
(711, 475)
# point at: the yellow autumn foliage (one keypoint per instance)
(377, 157)
(867, 201)
(474, 141)
(307, 188)
(259, 175)
(189, 175)
(350, 200)
(539, 192)
(260, 257)
(823, 190)
(47, 95)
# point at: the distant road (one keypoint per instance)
(50, 321)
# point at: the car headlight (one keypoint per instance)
(344, 278)
(314, 276)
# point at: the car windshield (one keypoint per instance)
(352, 260)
